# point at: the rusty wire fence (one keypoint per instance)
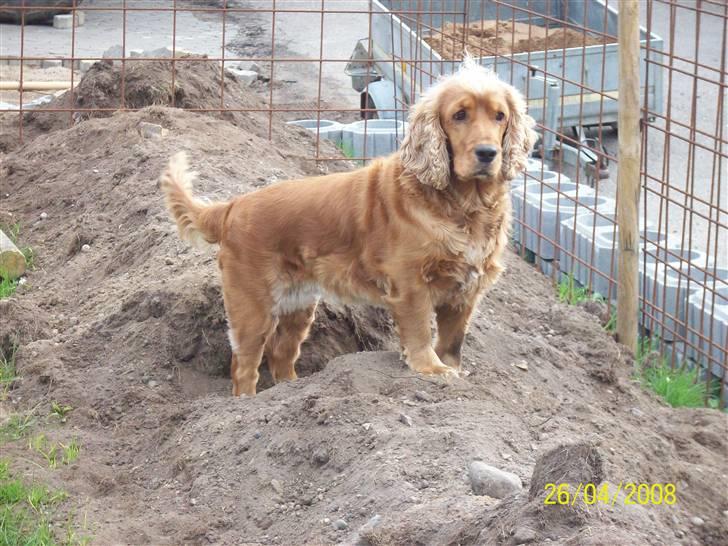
(348, 70)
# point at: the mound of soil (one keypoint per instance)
(487, 37)
(124, 322)
(191, 82)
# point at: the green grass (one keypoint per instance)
(570, 292)
(55, 453)
(16, 428)
(7, 286)
(25, 511)
(679, 386)
(8, 371)
(60, 410)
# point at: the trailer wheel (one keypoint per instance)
(368, 108)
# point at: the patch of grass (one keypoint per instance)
(55, 453)
(345, 149)
(60, 410)
(611, 325)
(7, 286)
(679, 386)
(25, 511)
(570, 292)
(8, 371)
(16, 427)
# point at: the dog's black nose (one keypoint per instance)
(486, 153)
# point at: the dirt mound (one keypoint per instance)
(490, 37)
(190, 82)
(124, 322)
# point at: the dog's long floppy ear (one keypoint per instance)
(519, 137)
(424, 149)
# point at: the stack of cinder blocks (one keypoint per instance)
(66, 20)
(366, 138)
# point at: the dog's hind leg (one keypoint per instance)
(284, 345)
(251, 324)
(452, 324)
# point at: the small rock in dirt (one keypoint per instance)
(43, 215)
(193, 502)
(522, 365)
(326, 521)
(637, 412)
(423, 396)
(406, 419)
(252, 66)
(168, 261)
(277, 486)
(506, 456)
(85, 248)
(367, 426)
(340, 524)
(491, 481)
(257, 435)
(152, 384)
(238, 418)
(245, 76)
(695, 520)
(369, 526)
(524, 535)
(321, 456)
(151, 130)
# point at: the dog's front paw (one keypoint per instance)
(428, 363)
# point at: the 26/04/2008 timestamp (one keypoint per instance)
(590, 494)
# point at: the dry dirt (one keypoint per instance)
(131, 333)
(484, 38)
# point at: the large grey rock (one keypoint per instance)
(491, 481)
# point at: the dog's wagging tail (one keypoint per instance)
(420, 232)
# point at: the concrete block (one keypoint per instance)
(372, 138)
(247, 77)
(529, 182)
(65, 20)
(707, 318)
(545, 209)
(151, 130)
(328, 130)
(666, 289)
(51, 63)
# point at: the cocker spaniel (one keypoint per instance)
(418, 232)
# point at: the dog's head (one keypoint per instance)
(470, 125)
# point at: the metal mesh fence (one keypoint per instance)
(348, 70)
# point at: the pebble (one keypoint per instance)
(277, 486)
(524, 535)
(637, 412)
(257, 434)
(405, 419)
(85, 248)
(340, 524)
(168, 261)
(369, 526)
(491, 481)
(152, 384)
(367, 426)
(193, 502)
(321, 456)
(506, 456)
(423, 396)
(522, 365)
(695, 520)
(238, 418)
(326, 520)
(43, 215)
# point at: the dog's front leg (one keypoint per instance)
(452, 324)
(411, 312)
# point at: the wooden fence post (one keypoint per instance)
(628, 178)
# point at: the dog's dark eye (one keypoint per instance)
(460, 115)
(500, 116)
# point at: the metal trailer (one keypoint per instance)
(567, 89)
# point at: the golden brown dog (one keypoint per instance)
(418, 232)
